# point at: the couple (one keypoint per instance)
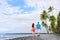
(38, 27)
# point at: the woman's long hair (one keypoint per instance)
(33, 25)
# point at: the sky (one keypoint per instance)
(17, 16)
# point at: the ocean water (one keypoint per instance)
(13, 35)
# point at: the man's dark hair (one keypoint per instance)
(38, 22)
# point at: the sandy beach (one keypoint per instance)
(41, 37)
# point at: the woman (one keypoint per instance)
(33, 29)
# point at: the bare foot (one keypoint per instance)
(38, 35)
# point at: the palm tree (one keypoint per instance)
(44, 17)
(54, 25)
(52, 20)
(50, 9)
(58, 23)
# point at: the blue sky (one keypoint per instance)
(21, 4)
(18, 15)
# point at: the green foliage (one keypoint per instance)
(44, 24)
(54, 23)
(44, 15)
(58, 23)
(50, 9)
(52, 26)
(52, 18)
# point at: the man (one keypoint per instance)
(38, 27)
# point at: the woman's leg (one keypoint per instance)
(32, 33)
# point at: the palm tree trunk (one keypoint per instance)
(47, 30)
(47, 26)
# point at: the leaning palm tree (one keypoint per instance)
(44, 17)
(52, 20)
(50, 9)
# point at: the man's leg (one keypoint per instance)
(38, 32)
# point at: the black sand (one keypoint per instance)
(41, 37)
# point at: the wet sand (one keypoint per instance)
(41, 37)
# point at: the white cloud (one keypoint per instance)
(6, 8)
(24, 21)
(6, 22)
(3, 29)
(44, 4)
